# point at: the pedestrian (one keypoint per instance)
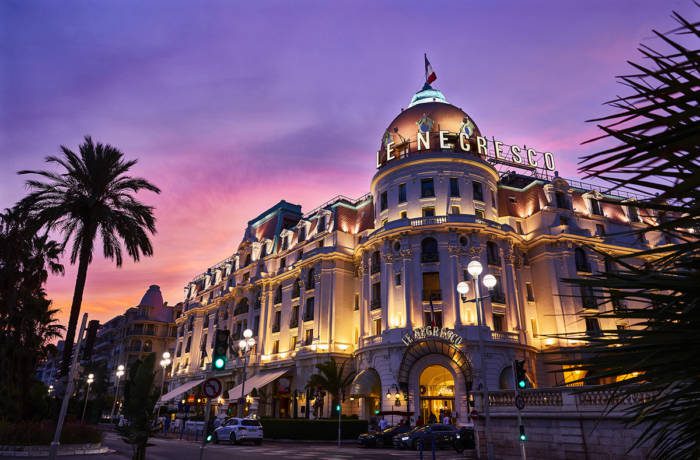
(383, 424)
(166, 424)
(420, 422)
(432, 419)
(446, 419)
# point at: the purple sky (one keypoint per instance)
(231, 106)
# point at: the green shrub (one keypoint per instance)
(313, 430)
(32, 433)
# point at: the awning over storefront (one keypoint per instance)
(366, 383)
(179, 390)
(256, 381)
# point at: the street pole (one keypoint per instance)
(484, 377)
(66, 396)
(241, 401)
(114, 403)
(87, 394)
(516, 391)
(340, 408)
(207, 413)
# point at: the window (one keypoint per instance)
(563, 220)
(242, 307)
(275, 347)
(429, 211)
(321, 224)
(256, 325)
(587, 298)
(148, 345)
(429, 250)
(595, 207)
(283, 263)
(431, 287)
(498, 323)
(308, 337)
(309, 310)
(431, 318)
(357, 302)
(397, 279)
(600, 229)
(378, 326)
(376, 301)
(188, 345)
(479, 213)
(561, 200)
(454, 187)
(311, 279)
(492, 256)
(530, 292)
(403, 215)
(375, 263)
(533, 323)
(402, 193)
(292, 343)
(519, 227)
(633, 213)
(276, 322)
(203, 345)
(285, 243)
(383, 201)
(593, 327)
(427, 188)
(493, 198)
(179, 350)
(294, 319)
(302, 233)
(478, 189)
(278, 294)
(498, 295)
(581, 260)
(454, 210)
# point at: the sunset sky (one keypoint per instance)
(230, 106)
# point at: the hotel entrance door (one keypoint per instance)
(437, 388)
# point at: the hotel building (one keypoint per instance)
(374, 280)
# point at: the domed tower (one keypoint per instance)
(429, 164)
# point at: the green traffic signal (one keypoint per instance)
(337, 407)
(523, 436)
(220, 349)
(376, 412)
(219, 363)
(521, 384)
(209, 438)
(520, 373)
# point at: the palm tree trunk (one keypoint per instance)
(84, 262)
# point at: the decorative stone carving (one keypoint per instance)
(406, 253)
(389, 258)
(475, 251)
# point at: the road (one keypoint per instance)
(170, 449)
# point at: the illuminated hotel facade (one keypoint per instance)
(373, 280)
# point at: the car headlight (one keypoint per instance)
(405, 438)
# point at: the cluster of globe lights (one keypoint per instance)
(475, 269)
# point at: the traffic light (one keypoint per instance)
(523, 436)
(376, 412)
(520, 374)
(337, 407)
(219, 358)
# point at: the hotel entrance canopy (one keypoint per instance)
(179, 390)
(256, 381)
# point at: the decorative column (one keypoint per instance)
(407, 256)
(454, 250)
(513, 293)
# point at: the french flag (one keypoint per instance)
(429, 72)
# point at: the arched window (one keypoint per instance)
(581, 260)
(147, 346)
(296, 289)
(505, 381)
(429, 250)
(311, 279)
(375, 263)
(492, 256)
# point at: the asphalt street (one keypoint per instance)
(169, 449)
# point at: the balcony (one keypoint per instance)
(375, 304)
(427, 257)
(501, 336)
(435, 295)
(583, 267)
(294, 322)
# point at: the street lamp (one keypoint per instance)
(245, 345)
(165, 362)
(90, 379)
(50, 389)
(119, 373)
(475, 269)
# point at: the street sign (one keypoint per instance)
(212, 387)
(520, 402)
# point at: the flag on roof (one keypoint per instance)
(429, 72)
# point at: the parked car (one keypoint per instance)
(443, 436)
(465, 439)
(382, 438)
(236, 430)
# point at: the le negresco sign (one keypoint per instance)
(432, 332)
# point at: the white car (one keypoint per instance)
(236, 430)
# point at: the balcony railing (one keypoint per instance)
(375, 304)
(583, 267)
(432, 256)
(501, 336)
(435, 295)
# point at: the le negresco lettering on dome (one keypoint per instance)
(514, 155)
(431, 332)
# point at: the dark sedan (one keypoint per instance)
(382, 438)
(442, 435)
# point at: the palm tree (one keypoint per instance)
(331, 377)
(91, 196)
(653, 363)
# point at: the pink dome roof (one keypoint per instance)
(152, 297)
